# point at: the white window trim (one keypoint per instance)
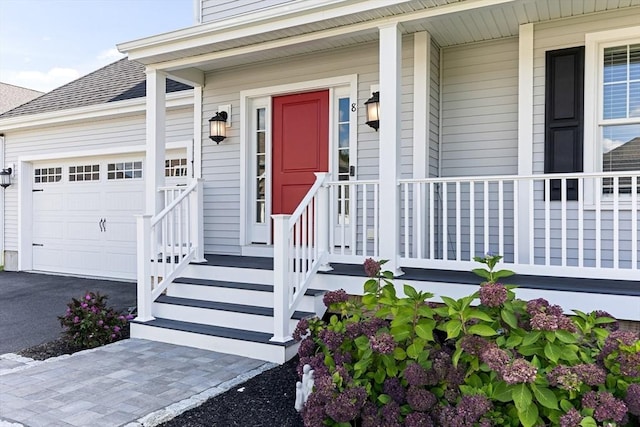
(246, 97)
(595, 43)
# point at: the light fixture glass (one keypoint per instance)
(373, 110)
(5, 177)
(218, 127)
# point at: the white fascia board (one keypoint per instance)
(254, 24)
(110, 109)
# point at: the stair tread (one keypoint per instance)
(236, 285)
(216, 331)
(226, 306)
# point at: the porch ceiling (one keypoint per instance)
(208, 47)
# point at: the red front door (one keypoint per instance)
(300, 146)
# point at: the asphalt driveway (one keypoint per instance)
(31, 303)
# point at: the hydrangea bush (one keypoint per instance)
(89, 323)
(385, 360)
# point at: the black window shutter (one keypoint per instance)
(564, 117)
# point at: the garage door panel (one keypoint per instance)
(83, 230)
(84, 260)
(49, 228)
(47, 258)
(50, 201)
(121, 264)
(125, 201)
(121, 230)
(84, 201)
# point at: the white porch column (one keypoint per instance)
(156, 113)
(421, 121)
(197, 131)
(523, 210)
(390, 64)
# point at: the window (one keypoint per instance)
(47, 175)
(343, 157)
(175, 167)
(124, 170)
(620, 118)
(84, 173)
(261, 162)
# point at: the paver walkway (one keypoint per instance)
(132, 382)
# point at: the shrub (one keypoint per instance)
(89, 323)
(390, 360)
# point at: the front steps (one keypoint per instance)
(225, 306)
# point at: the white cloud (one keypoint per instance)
(110, 55)
(42, 81)
(611, 144)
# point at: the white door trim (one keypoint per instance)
(246, 96)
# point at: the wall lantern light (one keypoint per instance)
(218, 126)
(373, 110)
(5, 177)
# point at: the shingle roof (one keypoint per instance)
(118, 81)
(11, 96)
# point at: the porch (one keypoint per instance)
(581, 253)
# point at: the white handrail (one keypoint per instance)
(300, 248)
(167, 242)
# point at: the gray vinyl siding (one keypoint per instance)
(480, 109)
(559, 35)
(77, 137)
(221, 163)
(434, 111)
(213, 10)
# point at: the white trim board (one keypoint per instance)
(110, 109)
(99, 152)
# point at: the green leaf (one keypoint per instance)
(545, 397)
(380, 375)
(566, 336)
(600, 320)
(509, 318)
(481, 272)
(521, 396)
(531, 337)
(565, 405)
(456, 357)
(513, 341)
(362, 343)
(424, 329)
(425, 311)
(399, 353)
(369, 299)
(414, 350)
(401, 332)
(453, 328)
(482, 330)
(528, 416)
(384, 398)
(410, 292)
(371, 286)
(477, 314)
(500, 274)
(588, 422)
(450, 302)
(553, 352)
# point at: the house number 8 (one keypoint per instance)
(353, 107)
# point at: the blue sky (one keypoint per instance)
(47, 43)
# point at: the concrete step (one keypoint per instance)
(240, 342)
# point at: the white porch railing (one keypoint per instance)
(353, 220)
(300, 249)
(577, 225)
(167, 243)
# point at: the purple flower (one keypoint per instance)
(331, 339)
(382, 343)
(571, 419)
(354, 330)
(418, 419)
(564, 377)
(347, 405)
(76, 319)
(495, 358)
(335, 297)
(100, 322)
(551, 322)
(307, 347)
(87, 297)
(394, 389)
(391, 413)
(313, 413)
(129, 316)
(372, 326)
(340, 357)
(537, 305)
(302, 328)
(370, 416)
(590, 374)
(116, 329)
(420, 399)
(113, 336)
(371, 267)
(629, 361)
(607, 407)
(472, 407)
(632, 399)
(493, 294)
(520, 371)
(474, 345)
(84, 305)
(415, 375)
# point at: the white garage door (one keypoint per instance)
(83, 219)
